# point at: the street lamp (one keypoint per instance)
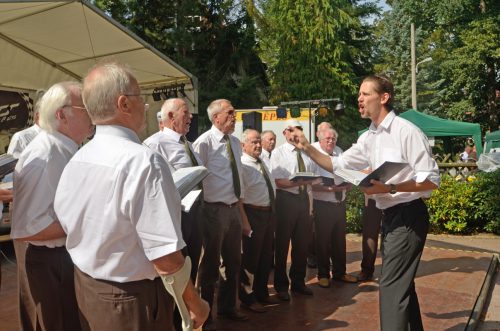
(414, 67)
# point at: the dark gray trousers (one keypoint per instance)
(330, 225)
(221, 228)
(293, 223)
(404, 230)
(371, 219)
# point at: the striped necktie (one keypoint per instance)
(234, 167)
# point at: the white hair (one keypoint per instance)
(321, 133)
(102, 86)
(245, 134)
(215, 107)
(57, 96)
(170, 106)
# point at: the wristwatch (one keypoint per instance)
(393, 189)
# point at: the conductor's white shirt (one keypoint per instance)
(397, 140)
(117, 203)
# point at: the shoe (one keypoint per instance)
(255, 307)
(346, 278)
(209, 325)
(234, 315)
(364, 277)
(312, 262)
(269, 300)
(302, 290)
(283, 296)
(324, 282)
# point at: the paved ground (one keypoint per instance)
(448, 282)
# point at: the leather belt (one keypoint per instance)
(263, 208)
(222, 204)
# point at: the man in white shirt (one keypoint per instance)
(49, 269)
(258, 206)
(293, 219)
(405, 220)
(222, 225)
(330, 217)
(268, 140)
(117, 202)
(27, 309)
(171, 142)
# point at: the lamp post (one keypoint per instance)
(414, 68)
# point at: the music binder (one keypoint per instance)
(383, 173)
(186, 179)
(7, 164)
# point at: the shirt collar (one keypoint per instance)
(172, 134)
(386, 123)
(117, 130)
(217, 133)
(249, 157)
(65, 141)
(289, 146)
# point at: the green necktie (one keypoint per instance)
(234, 167)
(338, 196)
(270, 189)
(302, 168)
(189, 152)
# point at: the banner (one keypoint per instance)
(16, 110)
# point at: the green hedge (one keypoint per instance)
(459, 207)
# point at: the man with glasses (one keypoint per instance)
(293, 214)
(330, 217)
(118, 204)
(49, 268)
(222, 225)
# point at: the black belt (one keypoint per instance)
(46, 248)
(395, 208)
(263, 208)
(222, 204)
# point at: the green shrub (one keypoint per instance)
(355, 203)
(464, 207)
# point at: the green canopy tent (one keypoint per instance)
(492, 140)
(434, 126)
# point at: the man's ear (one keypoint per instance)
(60, 115)
(170, 115)
(385, 98)
(123, 104)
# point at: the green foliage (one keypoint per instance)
(355, 204)
(466, 206)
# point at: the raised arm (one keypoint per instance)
(300, 141)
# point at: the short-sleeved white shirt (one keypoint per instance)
(256, 191)
(284, 164)
(168, 144)
(35, 181)
(212, 150)
(328, 196)
(117, 202)
(21, 139)
(397, 140)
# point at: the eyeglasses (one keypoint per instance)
(76, 107)
(329, 139)
(146, 105)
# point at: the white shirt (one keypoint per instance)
(397, 140)
(284, 164)
(211, 148)
(21, 139)
(328, 196)
(118, 204)
(256, 192)
(265, 156)
(35, 181)
(168, 144)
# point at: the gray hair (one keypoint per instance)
(57, 96)
(321, 133)
(246, 133)
(215, 107)
(268, 131)
(102, 86)
(169, 106)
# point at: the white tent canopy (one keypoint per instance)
(45, 42)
